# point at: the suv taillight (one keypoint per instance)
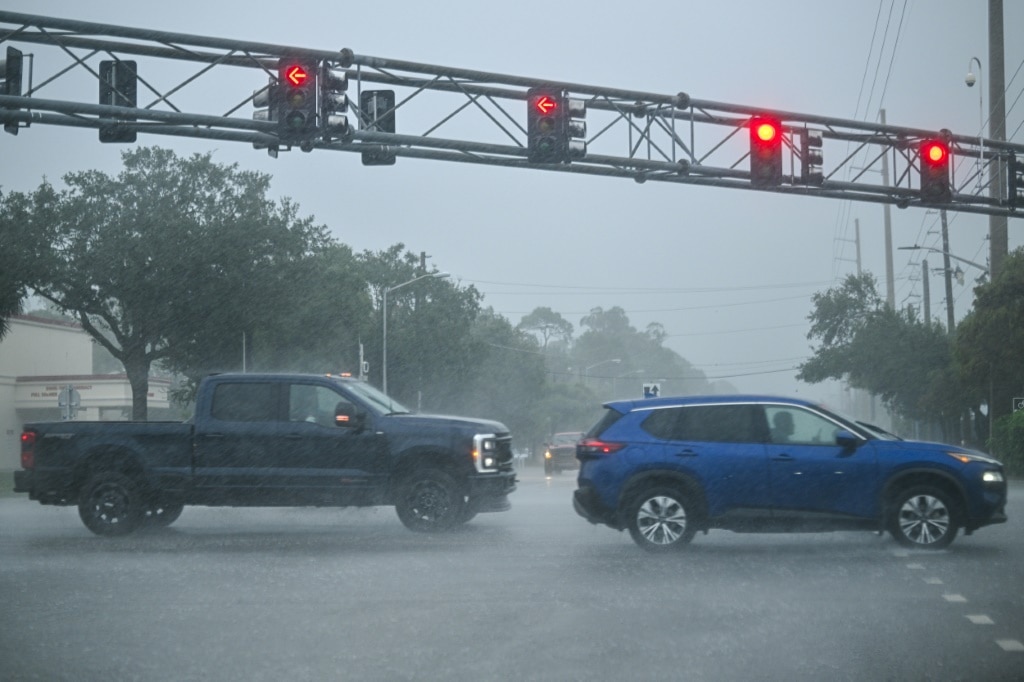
(28, 449)
(595, 447)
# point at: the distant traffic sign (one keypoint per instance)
(652, 390)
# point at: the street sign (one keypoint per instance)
(68, 400)
(1018, 404)
(652, 390)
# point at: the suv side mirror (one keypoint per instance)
(846, 439)
(348, 416)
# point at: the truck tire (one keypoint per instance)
(161, 515)
(110, 504)
(429, 501)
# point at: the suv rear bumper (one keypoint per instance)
(587, 505)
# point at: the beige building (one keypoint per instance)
(39, 360)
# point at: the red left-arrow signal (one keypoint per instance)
(546, 105)
(296, 75)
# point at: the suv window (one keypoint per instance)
(799, 426)
(610, 417)
(708, 423)
(245, 402)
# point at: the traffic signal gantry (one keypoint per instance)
(301, 101)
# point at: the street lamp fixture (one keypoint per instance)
(384, 310)
(586, 370)
(970, 80)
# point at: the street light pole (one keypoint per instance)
(384, 311)
(970, 79)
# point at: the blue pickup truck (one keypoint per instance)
(272, 440)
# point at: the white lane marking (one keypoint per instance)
(933, 581)
(1010, 645)
(916, 567)
(981, 619)
(954, 597)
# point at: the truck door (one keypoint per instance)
(320, 456)
(232, 456)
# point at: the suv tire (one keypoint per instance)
(923, 517)
(661, 519)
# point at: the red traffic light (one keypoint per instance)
(545, 104)
(296, 75)
(766, 131)
(934, 152)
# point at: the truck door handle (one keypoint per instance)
(686, 453)
(784, 457)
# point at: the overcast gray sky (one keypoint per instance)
(729, 273)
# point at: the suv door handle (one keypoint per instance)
(784, 457)
(686, 453)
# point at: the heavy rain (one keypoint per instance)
(454, 269)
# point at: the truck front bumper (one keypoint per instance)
(489, 492)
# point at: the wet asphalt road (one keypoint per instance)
(532, 594)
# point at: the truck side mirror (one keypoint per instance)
(348, 415)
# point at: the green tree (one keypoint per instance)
(165, 256)
(548, 325)
(990, 338)
(905, 361)
(23, 219)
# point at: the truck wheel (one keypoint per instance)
(110, 504)
(923, 517)
(160, 515)
(429, 501)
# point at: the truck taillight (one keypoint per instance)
(594, 447)
(28, 449)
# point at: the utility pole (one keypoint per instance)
(925, 285)
(948, 274)
(997, 225)
(890, 284)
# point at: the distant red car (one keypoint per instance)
(560, 452)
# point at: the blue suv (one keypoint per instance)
(666, 468)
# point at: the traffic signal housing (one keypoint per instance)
(11, 68)
(765, 151)
(934, 162)
(547, 129)
(576, 132)
(1014, 182)
(297, 105)
(377, 113)
(334, 104)
(119, 87)
(811, 158)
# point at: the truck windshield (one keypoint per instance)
(381, 402)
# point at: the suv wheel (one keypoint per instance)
(661, 519)
(923, 517)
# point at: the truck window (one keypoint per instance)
(245, 402)
(313, 404)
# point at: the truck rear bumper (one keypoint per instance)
(23, 481)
